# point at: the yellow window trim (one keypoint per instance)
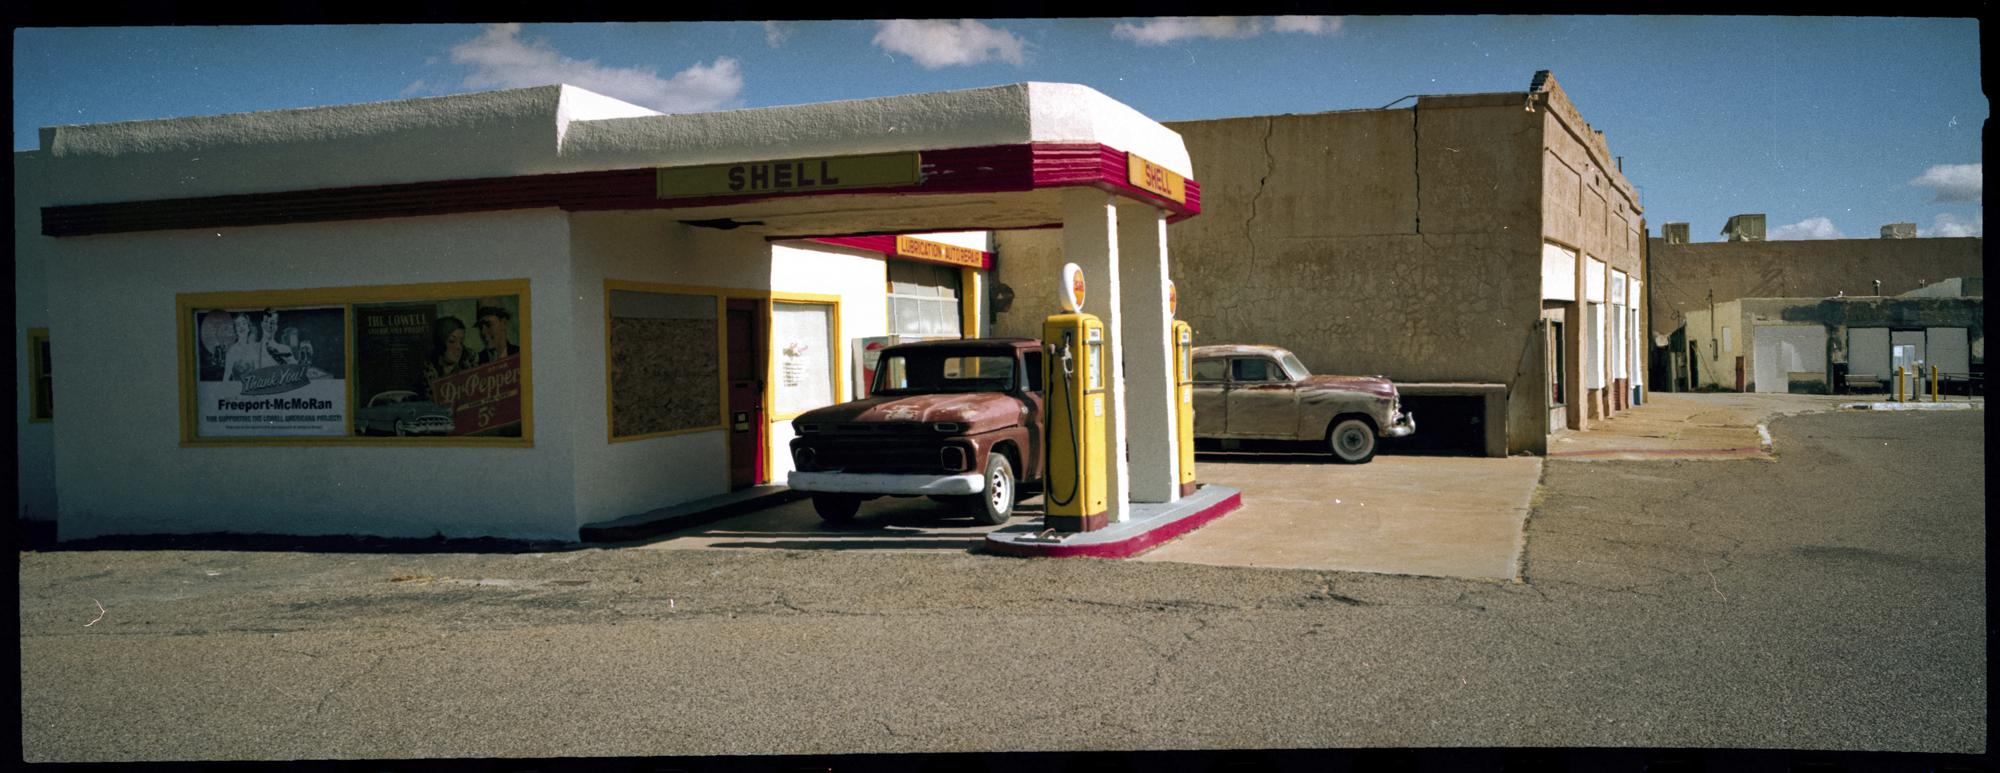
(835, 360)
(347, 298)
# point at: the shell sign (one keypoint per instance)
(1072, 283)
(1173, 299)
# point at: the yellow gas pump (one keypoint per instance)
(1073, 370)
(1184, 401)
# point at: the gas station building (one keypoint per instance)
(249, 322)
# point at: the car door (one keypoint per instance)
(1211, 377)
(1261, 401)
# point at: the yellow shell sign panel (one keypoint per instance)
(798, 175)
(1146, 175)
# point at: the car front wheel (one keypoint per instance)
(997, 504)
(1352, 441)
(836, 508)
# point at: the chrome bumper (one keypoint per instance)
(886, 483)
(1402, 427)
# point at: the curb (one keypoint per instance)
(1145, 533)
(638, 527)
(1912, 406)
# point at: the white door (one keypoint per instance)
(1868, 354)
(1948, 351)
(1781, 350)
(1909, 349)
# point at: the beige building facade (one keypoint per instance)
(1464, 245)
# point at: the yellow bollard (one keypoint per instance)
(1899, 383)
(1934, 384)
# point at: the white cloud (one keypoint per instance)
(935, 43)
(1809, 228)
(501, 59)
(1953, 182)
(1311, 25)
(1948, 224)
(776, 32)
(1169, 29)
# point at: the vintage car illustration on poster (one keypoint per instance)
(400, 412)
(956, 420)
(1255, 392)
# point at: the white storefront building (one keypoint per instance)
(518, 313)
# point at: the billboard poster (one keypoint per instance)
(438, 368)
(270, 372)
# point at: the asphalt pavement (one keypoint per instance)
(1832, 597)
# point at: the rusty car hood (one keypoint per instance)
(976, 411)
(1374, 385)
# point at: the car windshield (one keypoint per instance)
(1296, 369)
(918, 373)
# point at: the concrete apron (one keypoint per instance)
(1417, 515)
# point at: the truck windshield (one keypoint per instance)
(917, 373)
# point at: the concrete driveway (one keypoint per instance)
(1439, 516)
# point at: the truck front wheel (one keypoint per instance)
(836, 508)
(997, 504)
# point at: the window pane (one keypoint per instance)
(1209, 370)
(802, 336)
(1256, 369)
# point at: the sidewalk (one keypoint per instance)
(1688, 425)
(1714, 425)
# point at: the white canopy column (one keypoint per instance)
(1090, 240)
(1148, 354)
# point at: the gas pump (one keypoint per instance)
(1183, 336)
(1074, 490)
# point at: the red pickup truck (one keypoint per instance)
(958, 421)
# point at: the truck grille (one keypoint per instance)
(877, 457)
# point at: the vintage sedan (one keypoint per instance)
(1244, 392)
(401, 412)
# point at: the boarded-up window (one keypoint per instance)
(664, 357)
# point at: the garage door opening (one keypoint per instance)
(1447, 425)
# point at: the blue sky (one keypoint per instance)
(1830, 126)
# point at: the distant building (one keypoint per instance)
(1690, 279)
(1839, 344)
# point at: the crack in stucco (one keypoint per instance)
(1417, 167)
(1270, 164)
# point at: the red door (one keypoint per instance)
(746, 394)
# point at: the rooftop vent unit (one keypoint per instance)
(1744, 228)
(1899, 231)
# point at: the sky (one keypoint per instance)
(1830, 126)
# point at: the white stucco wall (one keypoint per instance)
(118, 460)
(34, 442)
(614, 480)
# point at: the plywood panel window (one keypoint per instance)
(41, 384)
(923, 300)
(664, 352)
